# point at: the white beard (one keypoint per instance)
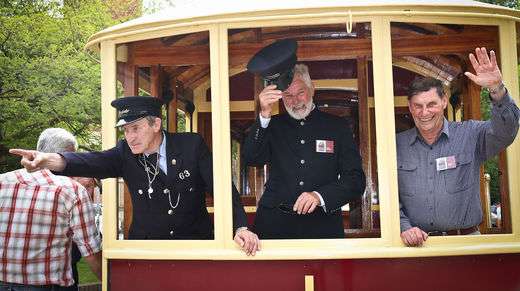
(303, 110)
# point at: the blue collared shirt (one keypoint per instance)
(162, 155)
(434, 199)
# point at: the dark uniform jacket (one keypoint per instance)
(189, 177)
(313, 154)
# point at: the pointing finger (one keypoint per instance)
(22, 153)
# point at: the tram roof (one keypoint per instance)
(192, 11)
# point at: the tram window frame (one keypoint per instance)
(115, 49)
(483, 240)
(304, 244)
(435, 244)
(223, 247)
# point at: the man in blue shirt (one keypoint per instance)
(439, 161)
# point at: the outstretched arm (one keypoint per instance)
(35, 160)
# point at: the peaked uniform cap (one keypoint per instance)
(275, 63)
(130, 109)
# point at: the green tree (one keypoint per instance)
(47, 79)
(506, 3)
(491, 165)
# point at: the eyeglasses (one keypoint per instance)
(287, 208)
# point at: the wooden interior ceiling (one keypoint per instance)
(437, 50)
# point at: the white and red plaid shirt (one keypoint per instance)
(40, 215)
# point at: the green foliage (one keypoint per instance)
(181, 121)
(47, 79)
(506, 3)
(491, 165)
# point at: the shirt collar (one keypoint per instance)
(414, 135)
(445, 128)
(162, 147)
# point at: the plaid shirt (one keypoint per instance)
(40, 215)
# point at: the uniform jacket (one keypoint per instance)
(189, 177)
(313, 154)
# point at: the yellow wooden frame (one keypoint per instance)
(389, 244)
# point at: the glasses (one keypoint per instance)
(287, 208)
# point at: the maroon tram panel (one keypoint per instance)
(458, 273)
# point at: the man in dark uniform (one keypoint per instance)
(167, 175)
(314, 165)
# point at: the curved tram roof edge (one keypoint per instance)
(199, 13)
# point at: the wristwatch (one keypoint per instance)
(497, 89)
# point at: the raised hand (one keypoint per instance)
(487, 74)
(267, 98)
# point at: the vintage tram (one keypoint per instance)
(361, 55)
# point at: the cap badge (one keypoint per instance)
(123, 112)
(271, 77)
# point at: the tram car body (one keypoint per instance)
(361, 56)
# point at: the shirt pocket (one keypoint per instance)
(459, 178)
(407, 177)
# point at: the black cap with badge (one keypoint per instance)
(275, 63)
(130, 109)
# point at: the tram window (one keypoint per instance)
(446, 199)
(183, 125)
(175, 69)
(340, 66)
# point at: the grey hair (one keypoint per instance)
(302, 71)
(56, 140)
(151, 120)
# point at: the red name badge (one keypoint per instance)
(325, 146)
